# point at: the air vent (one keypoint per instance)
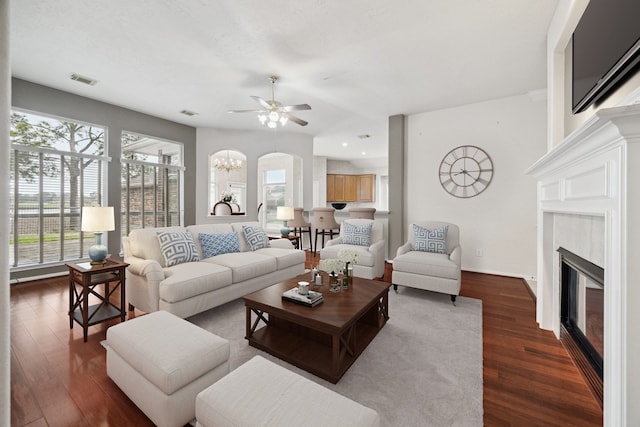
(364, 136)
(82, 79)
(188, 113)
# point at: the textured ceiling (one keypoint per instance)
(355, 62)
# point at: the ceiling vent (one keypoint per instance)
(188, 113)
(82, 79)
(364, 136)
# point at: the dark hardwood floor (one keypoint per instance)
(58, 380)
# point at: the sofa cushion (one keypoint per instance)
(189, 279)
(426, 264)
(365, 257)
(177, 247)
(245, 265)
(195, 230)
(357, 234)
(216, 244)
(430, 240)
(256, 237)
(284, 257)
(144, 243)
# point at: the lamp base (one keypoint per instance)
(285, 231)
(98, 254)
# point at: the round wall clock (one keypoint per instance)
(466, 171)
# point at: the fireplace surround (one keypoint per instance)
(593, 176)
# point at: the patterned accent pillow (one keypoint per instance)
(430, 240)
(217, 244)
(357, 234)
(177, 247)
(256, 237)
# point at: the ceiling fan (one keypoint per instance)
(273, 112)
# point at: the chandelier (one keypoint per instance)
(227, 163)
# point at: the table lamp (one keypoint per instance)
(97, 219)
(285, 213)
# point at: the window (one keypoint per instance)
(56, 167)
(280, 181)
(151, 182)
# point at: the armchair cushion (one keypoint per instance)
(427, 264)
(177, 247)
(216, 244)
(357, 234)
(434, 240)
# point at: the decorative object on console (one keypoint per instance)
(338, 205)
(273, 113)
(97, 219)
(466, 171)
(228, 196)
(284, 213)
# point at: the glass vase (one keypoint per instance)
(333, 282)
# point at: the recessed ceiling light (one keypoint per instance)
(188, 113)
(344, 144)
(364, 153)
(83, 79)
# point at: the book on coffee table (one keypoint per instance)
(311, 300)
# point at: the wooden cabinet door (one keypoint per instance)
(366, 188)
(331, 182)
(338, 188)
(351, 188)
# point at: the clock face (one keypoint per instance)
(466, 171)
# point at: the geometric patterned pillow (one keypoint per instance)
(177, 247)
(256, 237)
(430, 241)
(216, 244)
(356, 234)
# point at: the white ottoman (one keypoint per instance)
(162, 362)
(261, 393)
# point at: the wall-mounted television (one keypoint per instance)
(606, 49)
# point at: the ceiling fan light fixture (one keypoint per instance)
(274, 116)
(272, 125)
(283, 120)
(262, 118)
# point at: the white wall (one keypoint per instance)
(501, 221)
(253, 144)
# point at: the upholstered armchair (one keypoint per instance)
(370, 263)
(430, 259)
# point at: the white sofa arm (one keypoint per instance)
(456, 255)
(143, 283)
(336, 241)
(403, 249)
(281, 243)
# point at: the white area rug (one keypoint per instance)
(424, 368)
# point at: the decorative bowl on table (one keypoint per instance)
(338, 205)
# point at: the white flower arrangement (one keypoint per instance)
(331, 265)
(348, 256)
(228, 196)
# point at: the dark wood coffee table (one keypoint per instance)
(324, 340)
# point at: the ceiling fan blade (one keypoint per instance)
(296, 120)
(298, 107)
(245, 111)
(262, 102)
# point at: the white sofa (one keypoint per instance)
(192, 287)
(370, 262)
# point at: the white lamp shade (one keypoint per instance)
(97, 219)
(284, 213)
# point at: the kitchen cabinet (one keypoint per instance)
(351, 188)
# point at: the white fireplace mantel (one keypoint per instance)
(595, 172)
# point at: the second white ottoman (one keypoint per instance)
(162, 362)
(260, 393)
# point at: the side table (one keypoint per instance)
(83, 280)
(293, 238)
